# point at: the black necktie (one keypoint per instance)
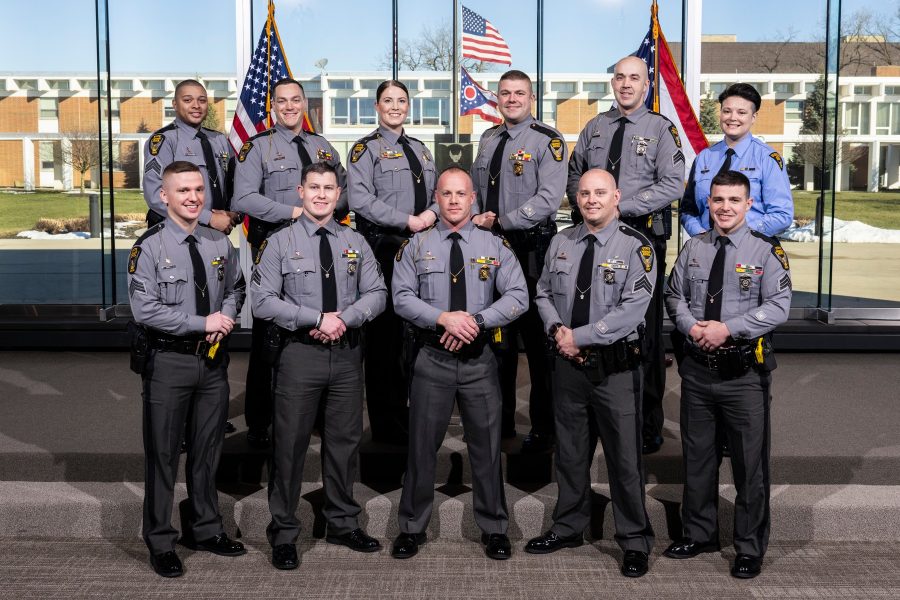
(212, 171)
(418, 175)
(301, 151)
(614, 159)
(326, 266)
(492, 204)
(713, 310)
(581, 307)
(201, 297)
(457, 275)
(726, 166)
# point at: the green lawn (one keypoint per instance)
(21, 211)
(879, 209)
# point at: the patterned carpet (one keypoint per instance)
(444, 569)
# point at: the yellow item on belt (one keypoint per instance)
(760, 359)
(497, 335)
(211, 353)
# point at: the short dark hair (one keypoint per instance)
(516, 75)
(454, 169)
(187, 82)
(742, 90)
(287, 81)
(730, 178)
(321, 168)
(390, 83)
(180, 166)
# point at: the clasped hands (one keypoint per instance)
(217, 327)
(709, 335)
(330, 329)
(460, 329)
(565, 344)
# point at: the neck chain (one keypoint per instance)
(582, 292)
(712, 297)
(454, 276)
(328, 270)
(202, 289)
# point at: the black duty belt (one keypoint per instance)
(526, 239)
(728, 363)
(370, 230)
(349, 339)
(428, 337)
(195, 345)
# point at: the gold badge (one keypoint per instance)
(777, 158)
(259, 252)
(646, 254)
(778, 251)
(358, 150)
(518, 167)
(133, 258)
(400, 250)
(556, 147)
(156, 141)
(323, 154)
(351, 267)
(242, 155)
(674, 131)
(484, 272)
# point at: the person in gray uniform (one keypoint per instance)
(186, 289)
(730, 288)
(520, 177)
(319, 282)
(642, 150)
(445, 283)
(596, 285)
(185, 139)
(391, 177)
(265, 188)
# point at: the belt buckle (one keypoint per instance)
(201, 348)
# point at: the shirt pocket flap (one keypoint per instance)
(424, 267)
(281, 166)
(172, 275)
(561, 266)
(297, 265)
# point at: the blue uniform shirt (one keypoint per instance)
(773, 205)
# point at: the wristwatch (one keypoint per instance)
(479, 320)
(553, 329)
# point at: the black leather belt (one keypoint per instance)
(303, 336)
(432, 338)
(198, 346)
(369, 229)
(726, 362)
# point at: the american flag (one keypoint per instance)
(475, 100)
(482, 41)
(268, 65)
(667, 95)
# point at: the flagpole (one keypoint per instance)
(654, 12)
(269, 59)
(456, 73)
(395, 44)
(540, 59)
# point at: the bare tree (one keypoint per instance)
(768, 62)
(81, 151)
(431, 51)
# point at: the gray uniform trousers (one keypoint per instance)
(742, 406)
(439, 378)
(179, 388)
(306, 377)
(616, 407)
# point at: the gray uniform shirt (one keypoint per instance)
(161, 278)
(268, 173)
(179, 141)
(381, 181)
(421, 279)
(621, 284)
(756, 292)
(287, 281)
(651, 174)
(532, 174)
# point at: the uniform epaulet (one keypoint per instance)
(777, 250)
(659, 114)
(280, 226)
(414, 139)
(493, 128)
(556, 144)
(269, 131)
(168, 127)
(496, 233)
(361, 145)
(645, 252)
(150, 231)
(634, 233)
(541, 128)
(248, 145)
(158, 138)
(215, 131)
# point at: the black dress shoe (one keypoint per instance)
(355, 540)
(635, 563)
(167, 564)
(220, 544)
(689, 548)
(229, 427)
(651, 444)
(284, 557)
(496, 546)
(536, 442)
(258, 438)
(550, 542)
(746, 566)
(407, 545)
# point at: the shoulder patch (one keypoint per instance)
(358, 150)
(133, 258)
(777, 158)
(242, 155)
(674, 131)
(156, 141)
(259, 253)
(777, 250)
(556, 148)
(646, 254)
(400, 249)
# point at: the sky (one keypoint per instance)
(197, 37)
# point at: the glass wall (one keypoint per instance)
(75, 114)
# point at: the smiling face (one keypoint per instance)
(728, 205)
(392, 107)
(190, 104)
(455, 195)
(736, 117)
(289, 103)
(183, 194)
(598, 198)
(515, 99)
(630, 84)
(319, 193)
